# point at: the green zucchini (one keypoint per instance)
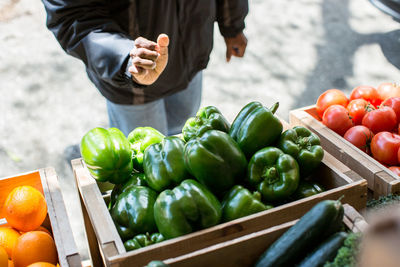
(306, 234)
(324, 252)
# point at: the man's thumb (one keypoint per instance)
(163, 42)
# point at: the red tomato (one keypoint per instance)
(367, 93)
(394, 103)
(329, 98)
(337, 118)
(357, 109)
(379, 120)
(386, 90)
(385, 147)
(395, 169)
(360, 136)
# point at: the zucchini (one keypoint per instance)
(324, 252)
(306, 234)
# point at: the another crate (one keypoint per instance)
(381, 180)
(105, 241)
(245, 250)
(46, 181)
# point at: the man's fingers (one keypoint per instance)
(144, 43)
(228, 54)
(163, 42)
(144, 53)
(143, 63)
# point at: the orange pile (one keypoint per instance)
(26, 242)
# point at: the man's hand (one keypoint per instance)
(235, 46)
(149, 59)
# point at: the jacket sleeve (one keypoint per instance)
(231, 15)
(85, 30)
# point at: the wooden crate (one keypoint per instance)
(245, 250)
(46, 181)
(381, 180)
(104, 240)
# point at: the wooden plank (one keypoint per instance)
(245, 250)
(380, 179)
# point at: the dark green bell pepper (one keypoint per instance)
(143, 240)
(186, 208)
(207, 118)
(164, 165)
(140, 138)
(133, 212)
(107, 155)
(135, 179)
(304, 146)
(256, 127)
(307, 189)
(215, 160)
(274, 174)
(239, 202)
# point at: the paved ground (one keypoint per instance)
(296, 50)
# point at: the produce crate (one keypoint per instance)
(381, 180)
(46, 181)
(245, 250)
(104, 240)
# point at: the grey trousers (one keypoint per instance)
(167, 115)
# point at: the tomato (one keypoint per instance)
(329, 98)
(394, 103)
(395, 169)
(367, 93)
(385, 147)
(379, 120)
(357, 109)
(337, 118)
(387, 90)
(360, 136)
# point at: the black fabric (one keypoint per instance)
(101, 34)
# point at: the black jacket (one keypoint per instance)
(101, 34)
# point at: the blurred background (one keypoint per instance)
(296, 50)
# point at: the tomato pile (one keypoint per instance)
(369, 119)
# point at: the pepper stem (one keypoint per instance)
(274, 107)
(270, 175)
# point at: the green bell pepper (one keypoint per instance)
(215, 160)
(274, 174)
(140, 138)
(207, 118)
(157, 264)
(143, 240)
(256, 127)
(133, 211)
(239, 202)
(107, 155)
(163, 163)
(307, 189)
(304, 146)
(186, 208)
(135, 179)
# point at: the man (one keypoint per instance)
(147, 83)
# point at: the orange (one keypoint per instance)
(8, 238)
(35, 246)
(3, 257)
(10, 264)
(40, 228)
(25, 208)
(41, 264)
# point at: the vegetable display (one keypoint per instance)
(370, 121)
(166, 187)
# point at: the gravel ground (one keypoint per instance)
(296, 50)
